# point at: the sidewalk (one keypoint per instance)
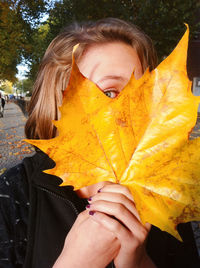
(12, 147)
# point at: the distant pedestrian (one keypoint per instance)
(6, 98)
(2, 104)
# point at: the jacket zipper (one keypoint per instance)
(60, 197)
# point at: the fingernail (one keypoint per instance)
(91, 212)
(99, 190)
(90, 199)
(88, 206)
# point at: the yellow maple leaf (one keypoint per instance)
(139, 139)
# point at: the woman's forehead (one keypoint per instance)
(109, 59)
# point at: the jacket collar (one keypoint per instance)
(35, 166)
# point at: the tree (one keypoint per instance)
(40, 43)
(67, 11)
(24, 86)
(6, 86)
(17, 22)
(162, 20)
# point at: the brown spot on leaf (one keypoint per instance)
(121, 122)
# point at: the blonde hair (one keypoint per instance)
(55, 67)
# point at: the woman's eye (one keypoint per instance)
(111, 94)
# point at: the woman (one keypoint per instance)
(97, 226)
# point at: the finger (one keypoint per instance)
(81, 217)
(112, 225)
(114, 187)
(120, 212)
(127, 239)
(117, 188)
(116, 198)
(147, 226)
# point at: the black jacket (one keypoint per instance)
(36, 215)
(3, 102)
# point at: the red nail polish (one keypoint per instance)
(91, 213)
(99, 190)
(90, 199)
(88, 206)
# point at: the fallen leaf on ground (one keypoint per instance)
(2, 171)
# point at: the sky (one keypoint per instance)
(22, 69)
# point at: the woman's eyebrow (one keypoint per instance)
(113, 77)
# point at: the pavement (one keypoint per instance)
(13, 149)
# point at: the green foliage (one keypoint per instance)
(21, 36)
(162, 20)
(29, 10)
(67, 11)
(40, 43)
(6, 86)
(16, 21)
(9, 42)
(24, 86)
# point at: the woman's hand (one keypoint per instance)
(88, 244)
(114, 208)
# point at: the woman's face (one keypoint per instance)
(110, 66)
